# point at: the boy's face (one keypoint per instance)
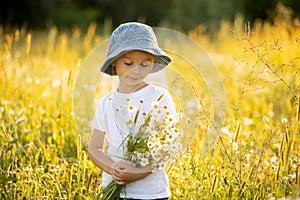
(133, 67)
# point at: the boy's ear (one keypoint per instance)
(113, 64)
(113, 69)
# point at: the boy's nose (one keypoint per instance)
(135, 69)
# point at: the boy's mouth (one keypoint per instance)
(133, 78)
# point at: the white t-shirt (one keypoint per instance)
(111, 116)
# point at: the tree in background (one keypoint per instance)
(184, 15)
(150, 12)
(190, 13)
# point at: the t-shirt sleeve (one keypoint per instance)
(100, 122)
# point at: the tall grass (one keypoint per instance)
(256, 157)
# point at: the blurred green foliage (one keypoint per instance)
(184, 15)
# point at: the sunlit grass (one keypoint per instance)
(256, 157)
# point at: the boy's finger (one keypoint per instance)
(118, 172)
(120, 182)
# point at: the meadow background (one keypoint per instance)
(257, 154)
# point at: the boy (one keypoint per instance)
(133, 53)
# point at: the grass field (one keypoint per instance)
(258, 152)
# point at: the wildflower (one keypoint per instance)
(144, 162)
(56, 83)
(11, 112)
(265, 119)
(150, 144)
(175, 147)
(29, 145)
(139, 155)
(155, 105)
(295, 165)
(41, 169)
(285, 178)
(156, 156)
(20, 120)
(142, 129)
(133, 157)
(157, 145)
(29, 169)
(225, 131)
(169, 137)
(161, 165)
(37, 81)
(273, 159)
(122, 107)
(128, 100)
(129, 121)
(265, 164)
(157, 135)
(130, 107)
(147, 154)
(235, 146)
(274, 167)
(293, 176)
(248, 156)
(271, 113)
(211, 166)
(247, 121)
(28, 80)
(284, 120)
(246, 165)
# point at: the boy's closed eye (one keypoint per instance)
(128, 63)
(143, 64)
(146, 64)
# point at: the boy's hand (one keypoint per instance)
(125, 172)
(122, 164)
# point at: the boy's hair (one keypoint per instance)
(134, 36)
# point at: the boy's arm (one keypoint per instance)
(125, 173)
(96, 152)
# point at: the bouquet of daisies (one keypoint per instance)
(155, 141)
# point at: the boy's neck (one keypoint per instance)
(127, 89)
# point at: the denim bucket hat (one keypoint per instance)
(134, 36)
